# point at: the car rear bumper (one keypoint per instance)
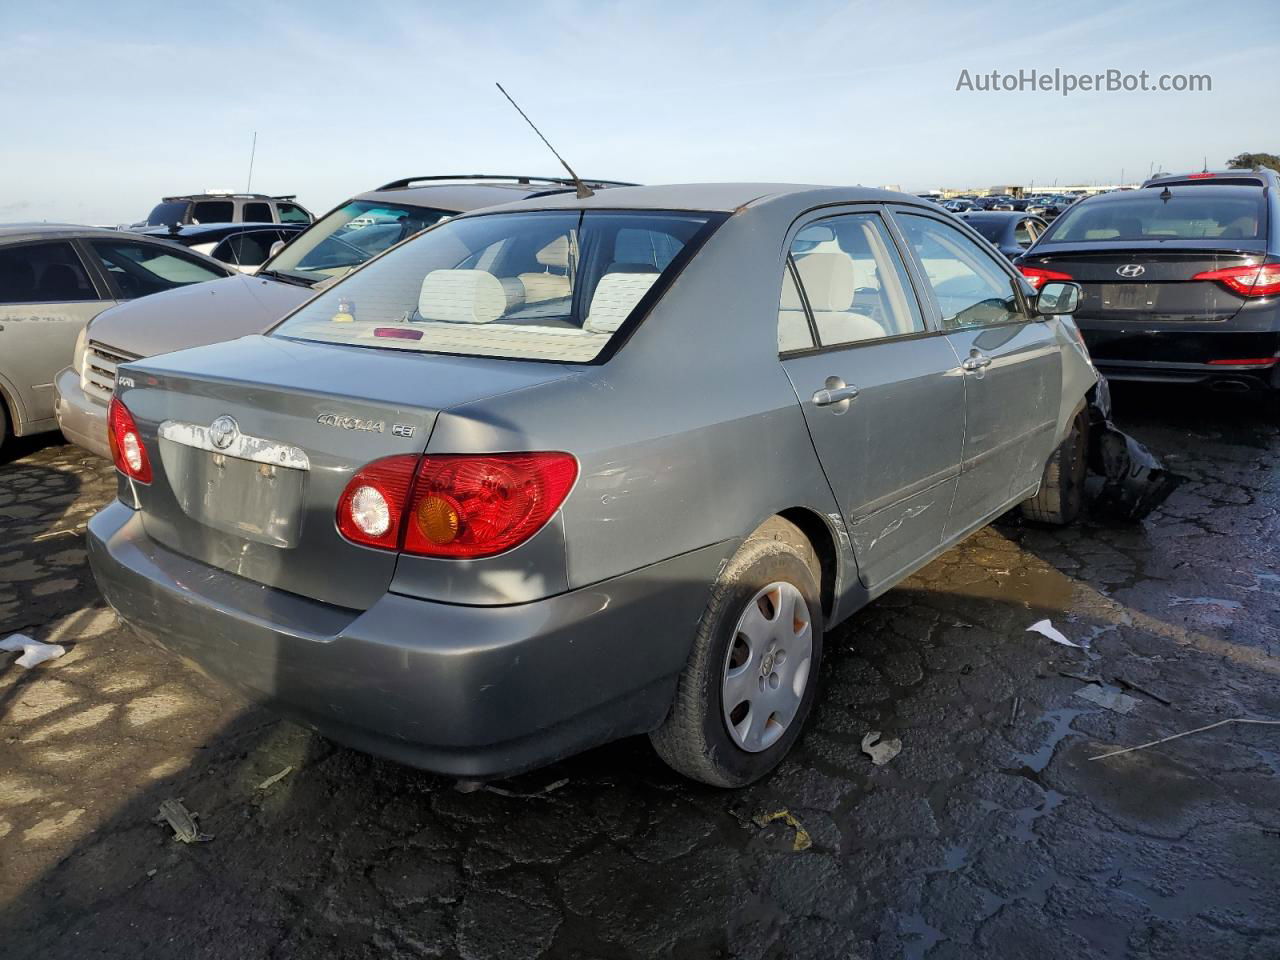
(81, 420)
(467, 691)
(1154, 353)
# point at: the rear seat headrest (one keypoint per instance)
(616, 296)
(828, 280)
(467, 296)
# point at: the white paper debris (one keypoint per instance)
(33, 652)
(881, 752)
(1047, 629)
(1108, 697)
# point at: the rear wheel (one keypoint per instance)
(4, 424)
(1061, 495)
(752, 674)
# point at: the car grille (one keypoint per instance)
(98, 378)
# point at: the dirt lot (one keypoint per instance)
(993, 833)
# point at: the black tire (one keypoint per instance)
(1061, 495)
(4, 423)
(694, 739)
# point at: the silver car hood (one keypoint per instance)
(195, 315)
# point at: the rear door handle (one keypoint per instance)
(974, 362)
(835, 391)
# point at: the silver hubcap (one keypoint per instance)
(767, 667)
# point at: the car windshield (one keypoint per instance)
(167, 214)
(545, 285)
(1150, 216)
(347, 237)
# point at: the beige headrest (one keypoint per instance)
(616, 296)
(555, 253)
(463, 296)
(827, 279)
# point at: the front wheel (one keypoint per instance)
(1061, 495)
(751, 677)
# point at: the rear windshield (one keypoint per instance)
(993, 230)
(1144, 215)
(545, 285)
(350, 235)
(167, 214)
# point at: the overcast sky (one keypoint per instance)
(105, 109)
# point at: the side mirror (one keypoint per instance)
(1058, 297)
(275, 248)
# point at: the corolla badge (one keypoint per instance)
(223, 432)
(351, 423)
(1131, 270)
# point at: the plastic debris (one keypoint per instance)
(1130, 685)
(802, 839)
(182, 821)
(33, 652)
(1135, 482)
(1185, 733)
(880, 752)
(275, 778)
(1047, 629)
(471, 786)
(1107, 697)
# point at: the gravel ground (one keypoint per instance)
(992, 834)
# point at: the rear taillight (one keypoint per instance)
(455, 506)
(1248, 281)
(1038, 276)
(127, 451)
(371, 508)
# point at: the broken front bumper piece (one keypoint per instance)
(1134, 480)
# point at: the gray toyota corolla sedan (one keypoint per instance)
(572, 469)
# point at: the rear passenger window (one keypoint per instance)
(854, 281)
(257, 213)
(793, 324)
(43, 273)
(292, 213)
(213, 211)
(1023, 235)
(972, 291)
(140, 269)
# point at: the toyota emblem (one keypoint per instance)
(1131, 270)
(223, 432)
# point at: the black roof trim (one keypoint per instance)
(517, 178)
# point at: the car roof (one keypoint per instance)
(717, 197)
(30, 231)
(1204, 178)
(1199, 190)
(227, 196)
(466, 192)
(200, 229)
(999, 215)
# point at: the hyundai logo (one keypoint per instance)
(1131, 270)
(223, 432)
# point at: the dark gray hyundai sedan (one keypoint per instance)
(572, 469)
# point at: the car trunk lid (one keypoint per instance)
(1149, 281)
(253, 442)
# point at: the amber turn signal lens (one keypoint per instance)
(438, 519)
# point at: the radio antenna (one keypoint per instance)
(583, 190)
